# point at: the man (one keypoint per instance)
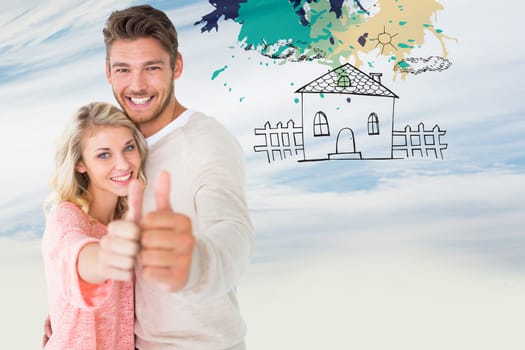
(197, 236)
(197, 242)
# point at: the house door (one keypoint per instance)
(345, 141)
(345, 146)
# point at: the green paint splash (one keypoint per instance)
(217, 72)
(284, 24)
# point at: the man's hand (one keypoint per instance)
(167, 241)
(120, 246)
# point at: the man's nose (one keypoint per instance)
(138, 82)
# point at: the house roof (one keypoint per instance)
(360, 83)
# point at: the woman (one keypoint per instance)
(90, 274)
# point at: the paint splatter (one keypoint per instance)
(331, 32)
(217, 72)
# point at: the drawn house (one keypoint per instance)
(347, 114)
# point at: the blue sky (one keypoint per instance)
(461, 216)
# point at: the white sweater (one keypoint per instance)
(207, 184)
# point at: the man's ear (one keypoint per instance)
(179, 64)
(80, 167)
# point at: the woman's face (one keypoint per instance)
(111, 159)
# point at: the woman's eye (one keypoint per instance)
(104, 155)
(129, 148)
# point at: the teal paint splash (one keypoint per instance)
(403, 64)
(405, 46)
(217, 72)
(257, 31)
(296, 100)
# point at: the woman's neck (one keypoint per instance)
(103, 210)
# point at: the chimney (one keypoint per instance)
(376, 77)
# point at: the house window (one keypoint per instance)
(373, 124)
(321, 127)
(343, 81)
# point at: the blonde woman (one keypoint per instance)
(100, 158)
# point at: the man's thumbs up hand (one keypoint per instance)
(162, 191)
(167, 241)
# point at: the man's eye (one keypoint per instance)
(153, 68)
(104, 155)
(121, 70)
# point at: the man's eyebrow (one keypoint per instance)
(145, 64)
(153, 62)
(120, 64)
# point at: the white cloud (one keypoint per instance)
(476, 215)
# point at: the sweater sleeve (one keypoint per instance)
(68, 231)
(222, 223)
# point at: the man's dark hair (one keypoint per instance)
(142, 21)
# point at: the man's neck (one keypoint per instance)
(173, 111)
(178, 110)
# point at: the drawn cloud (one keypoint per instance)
(417, 65)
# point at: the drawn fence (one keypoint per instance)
(424, 143)
(280, 142)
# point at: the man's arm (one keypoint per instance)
(206, 257)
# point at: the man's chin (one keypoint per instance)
(137, 119)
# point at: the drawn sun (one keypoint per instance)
(384, 38)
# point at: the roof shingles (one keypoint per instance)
(360, 83)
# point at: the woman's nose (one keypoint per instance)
(121, 162)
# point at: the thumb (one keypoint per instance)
(162, 191)
(135, 196)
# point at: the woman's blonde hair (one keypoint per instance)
(67, 184)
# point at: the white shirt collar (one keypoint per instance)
(178, 122)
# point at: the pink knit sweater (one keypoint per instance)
(83, 316)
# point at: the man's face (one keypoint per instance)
(142, 79)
